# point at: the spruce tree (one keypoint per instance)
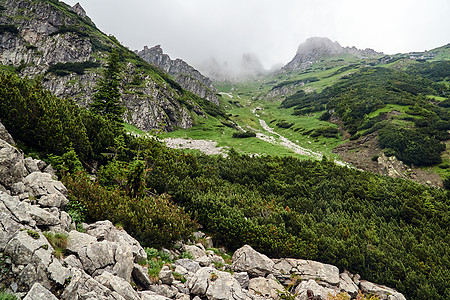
(107, 98)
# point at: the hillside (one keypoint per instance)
(390, 231)
(62, 46)
(336, 101)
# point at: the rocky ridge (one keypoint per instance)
(38, 35)
(102, 262)
(187, 76)
(315, 48)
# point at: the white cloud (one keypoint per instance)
(196, 30)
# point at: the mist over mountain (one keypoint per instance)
(315, 48)
(250, 66)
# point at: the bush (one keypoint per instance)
(50, 124)
(9, 28)
(325, 116)
(63, 69)
(284, 124)
(151, 220)
(7, 296)
(245, 134)
(72, 29)
(411, 146)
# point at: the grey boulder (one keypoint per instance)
(246, 259)
(38, 292)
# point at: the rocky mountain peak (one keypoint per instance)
(315, 48)
(319, 44)
(185, 75)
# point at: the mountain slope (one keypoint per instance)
(50, 39)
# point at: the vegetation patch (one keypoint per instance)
(80, 31)
(59, 242)
(63, 69)
(9, 28)
(244, 134)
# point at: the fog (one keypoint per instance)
(269, 31)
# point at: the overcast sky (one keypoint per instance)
(197, 30)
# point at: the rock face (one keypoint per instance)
(316, 48)
(43, 34)
(187, 76)
(102, 261)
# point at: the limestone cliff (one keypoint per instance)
(60, 44)
(187, 76)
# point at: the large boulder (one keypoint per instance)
(43, 217)
(96, 256)
(317, 290)
(215, 285)
(105, 230)
(196, 252)
(384, 292)
(188, 264)
(45, 190)
(119, 285)
(12, 168)
(223, 287)
(83, 286)
(124, 261)
(265, 287)
(13, 216)
(31, 256)
(347, 285)
(38, 292)
(78, 240)
(246, 259)
(307, 269)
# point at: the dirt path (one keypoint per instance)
(283, 141)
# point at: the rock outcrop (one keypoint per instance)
(315, 48)
(61, 43)
(185, 75)
(103, 261)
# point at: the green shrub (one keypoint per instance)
(411, 146)
(7, 296)
(72, 29)
(284, 124)
(9, 28)
(49, 124)
(63, 69)
(151, 220)
(245, 134)
(33, 234)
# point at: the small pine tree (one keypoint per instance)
(107, 98)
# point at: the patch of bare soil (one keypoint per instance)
(365, 153)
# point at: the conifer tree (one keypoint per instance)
(107, 98)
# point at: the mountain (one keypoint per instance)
(187, 76)
(315, 48)
(62, 46)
